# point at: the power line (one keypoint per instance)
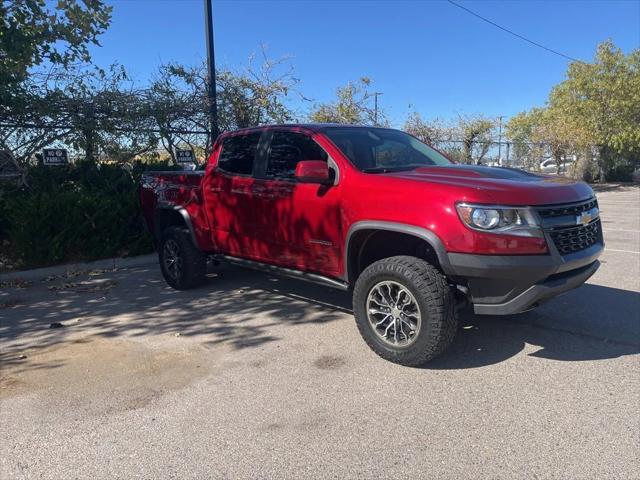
(514, 33)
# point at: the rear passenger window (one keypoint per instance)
(287, 149)
(238, 153)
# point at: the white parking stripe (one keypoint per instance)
(620, 251)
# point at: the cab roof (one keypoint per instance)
(313, 127)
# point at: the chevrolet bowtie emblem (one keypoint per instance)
(586, 217)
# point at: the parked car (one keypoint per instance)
(550, 166)
(376, 212)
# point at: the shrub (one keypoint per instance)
(75, 213)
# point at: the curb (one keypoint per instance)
(107, 263)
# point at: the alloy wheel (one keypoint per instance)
(393, 313)
(172, 259)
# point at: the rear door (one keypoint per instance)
(298, 223)
(229, 199)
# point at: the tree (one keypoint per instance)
(476, 134)
(519, 130)
(603, 97)
(27, 122)
(598, 104)
(431, 132)
(352, 106)
(105, 114)
(256, 95)
(546, 131)
(32, 33)
(252, 96)
(176, 102)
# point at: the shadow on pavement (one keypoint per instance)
(615, 187)
(590, 323)
(245, 309)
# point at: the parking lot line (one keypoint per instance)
(621, 251)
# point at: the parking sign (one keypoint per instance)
(54, 156)
(185, 156)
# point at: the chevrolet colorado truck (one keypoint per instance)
(377, 212)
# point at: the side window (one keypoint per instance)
(238, 153)
(287, 149)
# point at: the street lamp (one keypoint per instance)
(375, 108)
(211, 65)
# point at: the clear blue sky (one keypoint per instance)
(424, 55)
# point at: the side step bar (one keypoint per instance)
(287, 272)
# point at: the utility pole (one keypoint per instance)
(211, 64)
(500, 140)
(375, 108)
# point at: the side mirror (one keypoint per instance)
(313, 171)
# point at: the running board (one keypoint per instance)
(287, 272)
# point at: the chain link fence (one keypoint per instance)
(22, 144)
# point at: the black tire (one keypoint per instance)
(435, 301)
(191, 262)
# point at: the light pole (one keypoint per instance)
(375, 107)
(500, 140)
(211, 64)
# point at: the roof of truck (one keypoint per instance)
(316, 127)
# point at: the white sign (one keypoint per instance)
(185, 156)
(54, 156)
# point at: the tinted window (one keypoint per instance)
(378, 148)
(238, 153)
(287, 149)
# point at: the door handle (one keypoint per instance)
(264, 195)
(215, 189)
(240, 192)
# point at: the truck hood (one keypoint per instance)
(501, 185)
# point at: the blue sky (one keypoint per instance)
(427, 56)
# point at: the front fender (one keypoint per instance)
(423, 233)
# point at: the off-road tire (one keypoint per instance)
(434, 297)
(193, 261)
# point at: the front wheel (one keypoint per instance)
(405, 310)
(183, 265)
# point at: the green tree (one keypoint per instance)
(431, 132)
(546, 132)
(353, 105)
(603, 97)
(251, 96)
(32, 33)
(519, 130)
(476, 134)
(598, 104)
(106, 115)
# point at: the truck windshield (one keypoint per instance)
(376, 150)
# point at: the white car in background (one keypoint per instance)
(549, 165)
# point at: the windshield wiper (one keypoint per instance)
(399, 168)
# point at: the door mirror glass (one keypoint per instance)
(313, 171)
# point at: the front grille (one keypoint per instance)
(562, 224)
(564, 210)
(573, 239)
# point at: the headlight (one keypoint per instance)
(495, 219)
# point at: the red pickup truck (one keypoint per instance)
(377, 212)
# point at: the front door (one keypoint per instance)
(299, 223)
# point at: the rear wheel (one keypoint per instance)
(405, 310)
(182, 264)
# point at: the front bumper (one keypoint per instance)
(503, 285)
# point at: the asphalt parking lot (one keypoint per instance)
(254, 376)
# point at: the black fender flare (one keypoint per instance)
(161, 208)
(420, 232)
